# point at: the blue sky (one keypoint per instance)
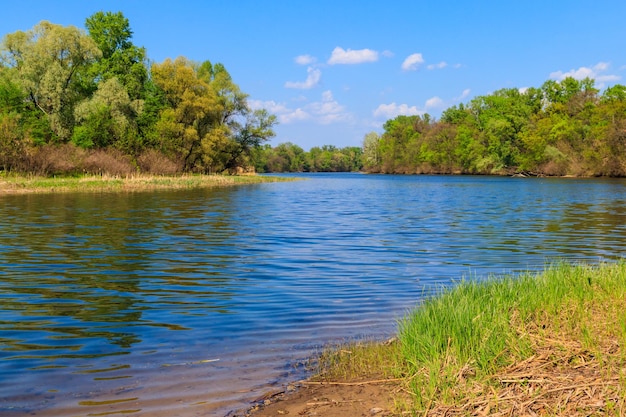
(334, 70)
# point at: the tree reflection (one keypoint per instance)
(82, 269)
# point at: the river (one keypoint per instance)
(192, 303)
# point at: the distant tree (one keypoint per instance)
(371, 152)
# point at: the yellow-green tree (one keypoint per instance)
(206, 124)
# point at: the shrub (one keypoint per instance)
(154, 162)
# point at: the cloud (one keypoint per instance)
(440, 65)
(294, 116)
(270, 106)
(392, 110)
(285, 114)
(305, 60)
(434, 102)
(412, 62)
(328, 110)
(463, 95)
(311, 80)
(325, 111)
(596, 72)
(350, 56)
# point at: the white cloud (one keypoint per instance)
(294, 116)
(285, 114)
(305, 60)
(596, 72)
(350, 56)
(440, 65)
(325, 111)
(311, 80)
(463, 95)
(434, 102)
(412, 62)
(388, 54)
(270, 106)
(328, 110)
(392, 110)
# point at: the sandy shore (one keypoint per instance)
(330, 399)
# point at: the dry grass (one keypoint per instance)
(561, 378)
(15, 184)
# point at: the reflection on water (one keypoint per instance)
(193, 302)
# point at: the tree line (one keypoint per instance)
(289, 157)
(74, 100)
(561, 128)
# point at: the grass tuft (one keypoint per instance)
(549, 343)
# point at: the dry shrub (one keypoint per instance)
(154, 162)
(109, 161)
(553, 168)
(59, 159)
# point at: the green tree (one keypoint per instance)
(120, 58)
(256, 128)
(206, 122)
(107, 118)
(187, 118)
(371, 153)
(49, 61)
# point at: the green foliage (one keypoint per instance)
(205, 122)
(288, 157)
(120, 58)
(562, 128)
(47, 62)
(60, 84)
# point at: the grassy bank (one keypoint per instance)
(549, 344)
(94, 183)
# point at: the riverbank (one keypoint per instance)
(539, 344)
(23, 184)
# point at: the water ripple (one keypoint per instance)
(191, 302)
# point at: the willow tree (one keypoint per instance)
(49, 63)
(107, 118)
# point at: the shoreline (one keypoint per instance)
(564, 355)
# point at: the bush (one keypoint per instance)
(53, 159)
(154, 162)
(108, 161)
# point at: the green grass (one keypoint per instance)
(510, 344)
(93, 183)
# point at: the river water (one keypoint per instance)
(193, 303)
